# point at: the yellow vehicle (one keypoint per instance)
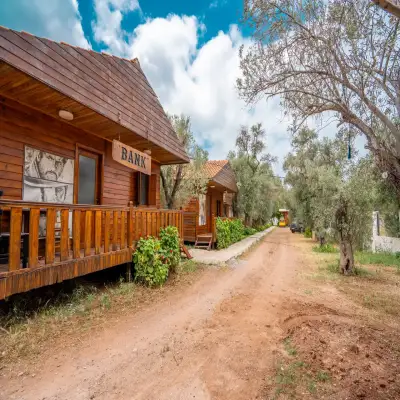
(284, 219)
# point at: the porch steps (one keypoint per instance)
(204, 241)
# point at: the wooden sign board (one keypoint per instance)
(131, 157)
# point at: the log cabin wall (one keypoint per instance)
(191, 216)
(20, 126)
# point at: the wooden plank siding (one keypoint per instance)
(20, 126)
(112, 87)
(191, 227)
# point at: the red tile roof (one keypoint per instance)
(213, 167)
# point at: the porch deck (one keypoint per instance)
(65, 242)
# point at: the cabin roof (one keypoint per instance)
(113, 87)
(221, 172)
(213, 167)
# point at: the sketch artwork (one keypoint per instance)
(48, 178)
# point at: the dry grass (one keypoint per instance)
(75, 316)
(374, 287)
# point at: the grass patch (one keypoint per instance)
(385, 259)
(295, 377)
(325, 248)
(290, 349)
(323, 376)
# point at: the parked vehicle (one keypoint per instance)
(296, 227)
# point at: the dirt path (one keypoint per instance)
(212, 341)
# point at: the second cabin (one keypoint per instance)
(200, 213)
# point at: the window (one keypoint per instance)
(202, 209)
(87, 180)
(143, 189)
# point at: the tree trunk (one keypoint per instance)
(346, 258)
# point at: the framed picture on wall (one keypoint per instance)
(48, 178)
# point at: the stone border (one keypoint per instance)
(216, 257)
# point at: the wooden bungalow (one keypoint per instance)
(82, 139)
(200, 213)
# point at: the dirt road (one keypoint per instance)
(212, 341)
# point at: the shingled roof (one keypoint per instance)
(221, 172)
(111, 86)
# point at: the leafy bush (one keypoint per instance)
(228, 232)
(308, 233)
(170, 246)
(249, 231)
(223, 233)
(261, 228)
(237, 230)
(325, 248)
(151, 267)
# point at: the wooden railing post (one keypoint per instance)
(76, 233)
(15, 239)
(123, 230)
(88, 233)
(97, 231)
(115, 231)
(50, 235)
(64, 239)
(130, 224)
(107, 228)
(213, 227)
(34, 215)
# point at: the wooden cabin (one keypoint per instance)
(82, 139)
(200, 213)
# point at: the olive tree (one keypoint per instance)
(183, 181)
(329, 56)
(252, 165)
(343, 200)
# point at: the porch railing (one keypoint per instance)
(37, 234)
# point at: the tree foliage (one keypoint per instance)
(257, 186)
(337, 56)
(335, 194)
(183, 181)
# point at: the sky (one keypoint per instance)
(188, 50)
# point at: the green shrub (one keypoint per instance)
(151, 266)
(261, 228)
(249, 231)
(237, 230)
(170, 246)
(308, 233)
(325, 248)
(223, 233)
(228, 232)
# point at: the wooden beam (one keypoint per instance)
(391, 6)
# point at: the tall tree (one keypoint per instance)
(334, 194)
(337, 56)
(183, 181)
(252, 166)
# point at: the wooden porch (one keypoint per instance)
(42, 243)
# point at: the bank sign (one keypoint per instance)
(131, 157)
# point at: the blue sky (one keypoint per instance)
(215, 15)
(187, 49)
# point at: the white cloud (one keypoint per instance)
(57, 19)
(217, 3)
(200, 82)
(107, 27)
